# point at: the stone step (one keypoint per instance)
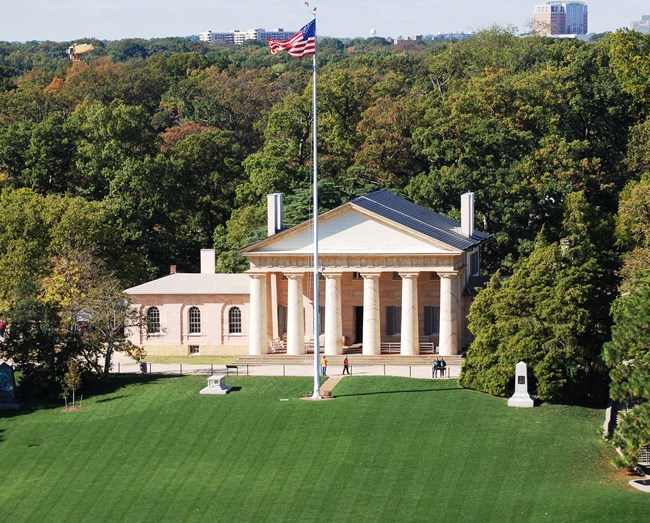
(356, 359)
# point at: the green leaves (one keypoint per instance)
(550, 314)
(628, 357)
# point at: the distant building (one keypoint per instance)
(239, 37)
(395, 277)
(560, 18)
(209, 36)
(453, 36)
(430, 37)
(641, 26)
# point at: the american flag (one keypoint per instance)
(301, 44)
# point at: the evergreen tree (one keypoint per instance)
(628, 356)
(551, 313)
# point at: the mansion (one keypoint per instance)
(393, 277)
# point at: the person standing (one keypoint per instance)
(323, 364)
(346, 366)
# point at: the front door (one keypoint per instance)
(358, 324)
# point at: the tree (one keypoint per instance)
(34, 228)
(167, 205)
(72, 379)
(629, 54)
(105, 138)
(387, 148)
(551, 313)
(89, 300)
(628, 357)
(75, 310)
(633, 232)
(344, 94)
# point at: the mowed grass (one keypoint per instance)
(386, 449)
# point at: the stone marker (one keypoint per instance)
(8, 388)
(216, 385)
(521, 398)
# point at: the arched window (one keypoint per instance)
(234, 320)
(195, 320)
(153, 320)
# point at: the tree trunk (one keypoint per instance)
(107, 362)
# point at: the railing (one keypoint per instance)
(387, 347)
(275, 369)
(394, 347)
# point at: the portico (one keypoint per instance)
(391, 272)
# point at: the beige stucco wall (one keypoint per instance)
(175, 339)
(205, 350)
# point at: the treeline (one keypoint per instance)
(176, 143)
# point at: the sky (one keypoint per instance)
(65, 20)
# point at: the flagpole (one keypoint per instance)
(316, 394)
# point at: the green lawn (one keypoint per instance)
(386, 449)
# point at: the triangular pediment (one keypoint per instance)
(351, 230)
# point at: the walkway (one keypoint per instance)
(275, 367)
(327, 387)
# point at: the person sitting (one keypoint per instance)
(442, 365)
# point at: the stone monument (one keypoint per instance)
(216, 385)
(521, 398)
(7, 388)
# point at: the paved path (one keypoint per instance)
(124, 364)
(327, 387)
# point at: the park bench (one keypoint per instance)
(233, 367)
(394, 347)
(390, 347)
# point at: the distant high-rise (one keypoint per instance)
(641, 26)
(560, 18)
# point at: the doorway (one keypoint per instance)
(358, 324)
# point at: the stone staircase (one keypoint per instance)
(354, 359)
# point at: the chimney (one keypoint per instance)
(208, 261)
(467, 214)
(274, 220)
(172, 269)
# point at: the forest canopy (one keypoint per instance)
(159, 148)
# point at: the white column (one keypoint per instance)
(333, 322)
(295, 316)
(258, 336)
(371, 315)
(410, 341)
(273, 284)
(449, 300)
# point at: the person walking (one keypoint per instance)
(346, 366)
(323, 364)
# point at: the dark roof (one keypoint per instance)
(474, 284)
(424, 221)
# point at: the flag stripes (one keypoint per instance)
(301, 44)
